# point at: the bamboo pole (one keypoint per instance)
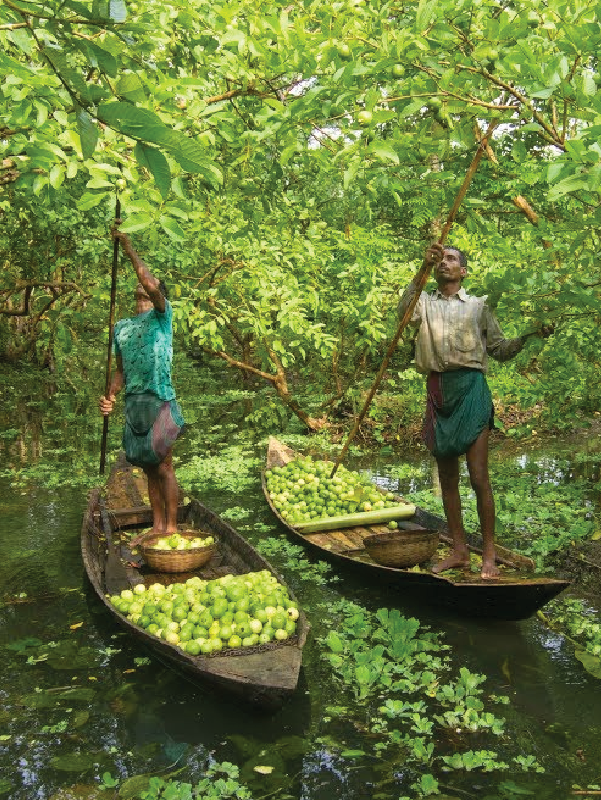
(107, 385)
(419, 281)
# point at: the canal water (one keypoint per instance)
(79, 700)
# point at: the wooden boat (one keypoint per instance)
(264, 675)
(516, 594)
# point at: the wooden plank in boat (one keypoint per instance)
(327, 541)
(341, 537)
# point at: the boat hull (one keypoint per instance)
(264, 677)
(514, 597)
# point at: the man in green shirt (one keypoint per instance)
(153, 420)
(456, 334)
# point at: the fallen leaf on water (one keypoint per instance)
(264, 770)
(76, 626)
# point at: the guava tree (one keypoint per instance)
(257, 148)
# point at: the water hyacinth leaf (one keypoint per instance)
(134, 787)
(352, 753)
(80, 718)
(512, 788)
(334, 642)
(591, 663)
(155, 162)
(77, 694)
(21, 645)
(5, 786)
(76, 762)
(67, 656)
(39, 700)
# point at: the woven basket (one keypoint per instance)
(402, 548)
(175, 560)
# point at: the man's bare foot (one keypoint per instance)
(459, 559)
(490, 571)
(139, 537)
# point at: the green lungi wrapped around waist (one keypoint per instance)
(151, 427)
(458, 408)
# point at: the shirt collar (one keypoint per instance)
(461, 294)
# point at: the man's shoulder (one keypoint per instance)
(479, 299)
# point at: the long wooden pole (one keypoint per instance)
(107, 385)
(420, 281)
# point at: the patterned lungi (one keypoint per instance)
(151, 427)
(458, 408)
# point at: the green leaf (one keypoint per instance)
(155, 162)
(137, 123)
(68, 75)
(129, 85)
(589, 87)
(424, 14)
(350, 173)
(88, 133)
(191, 156)
(543, 93)
(22, 40)
(171, 227)
(385, 152)
(136, 222)
(572, 183)
(90, 200)
(103, 59)
(334, 642)
(80, 8)
(57, 176)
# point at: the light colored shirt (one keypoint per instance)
(145, 344)
(456, 331)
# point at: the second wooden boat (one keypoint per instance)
(264, 675)
(517, 594)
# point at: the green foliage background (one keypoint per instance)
(285, 165)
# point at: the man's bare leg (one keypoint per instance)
(448, 472)
(477, 464)
(169, 492)
(155, 495)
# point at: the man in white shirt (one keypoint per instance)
(456, 334)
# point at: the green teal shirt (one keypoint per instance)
(145, 344)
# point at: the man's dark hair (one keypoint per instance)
(163, 289)
(461, 254)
